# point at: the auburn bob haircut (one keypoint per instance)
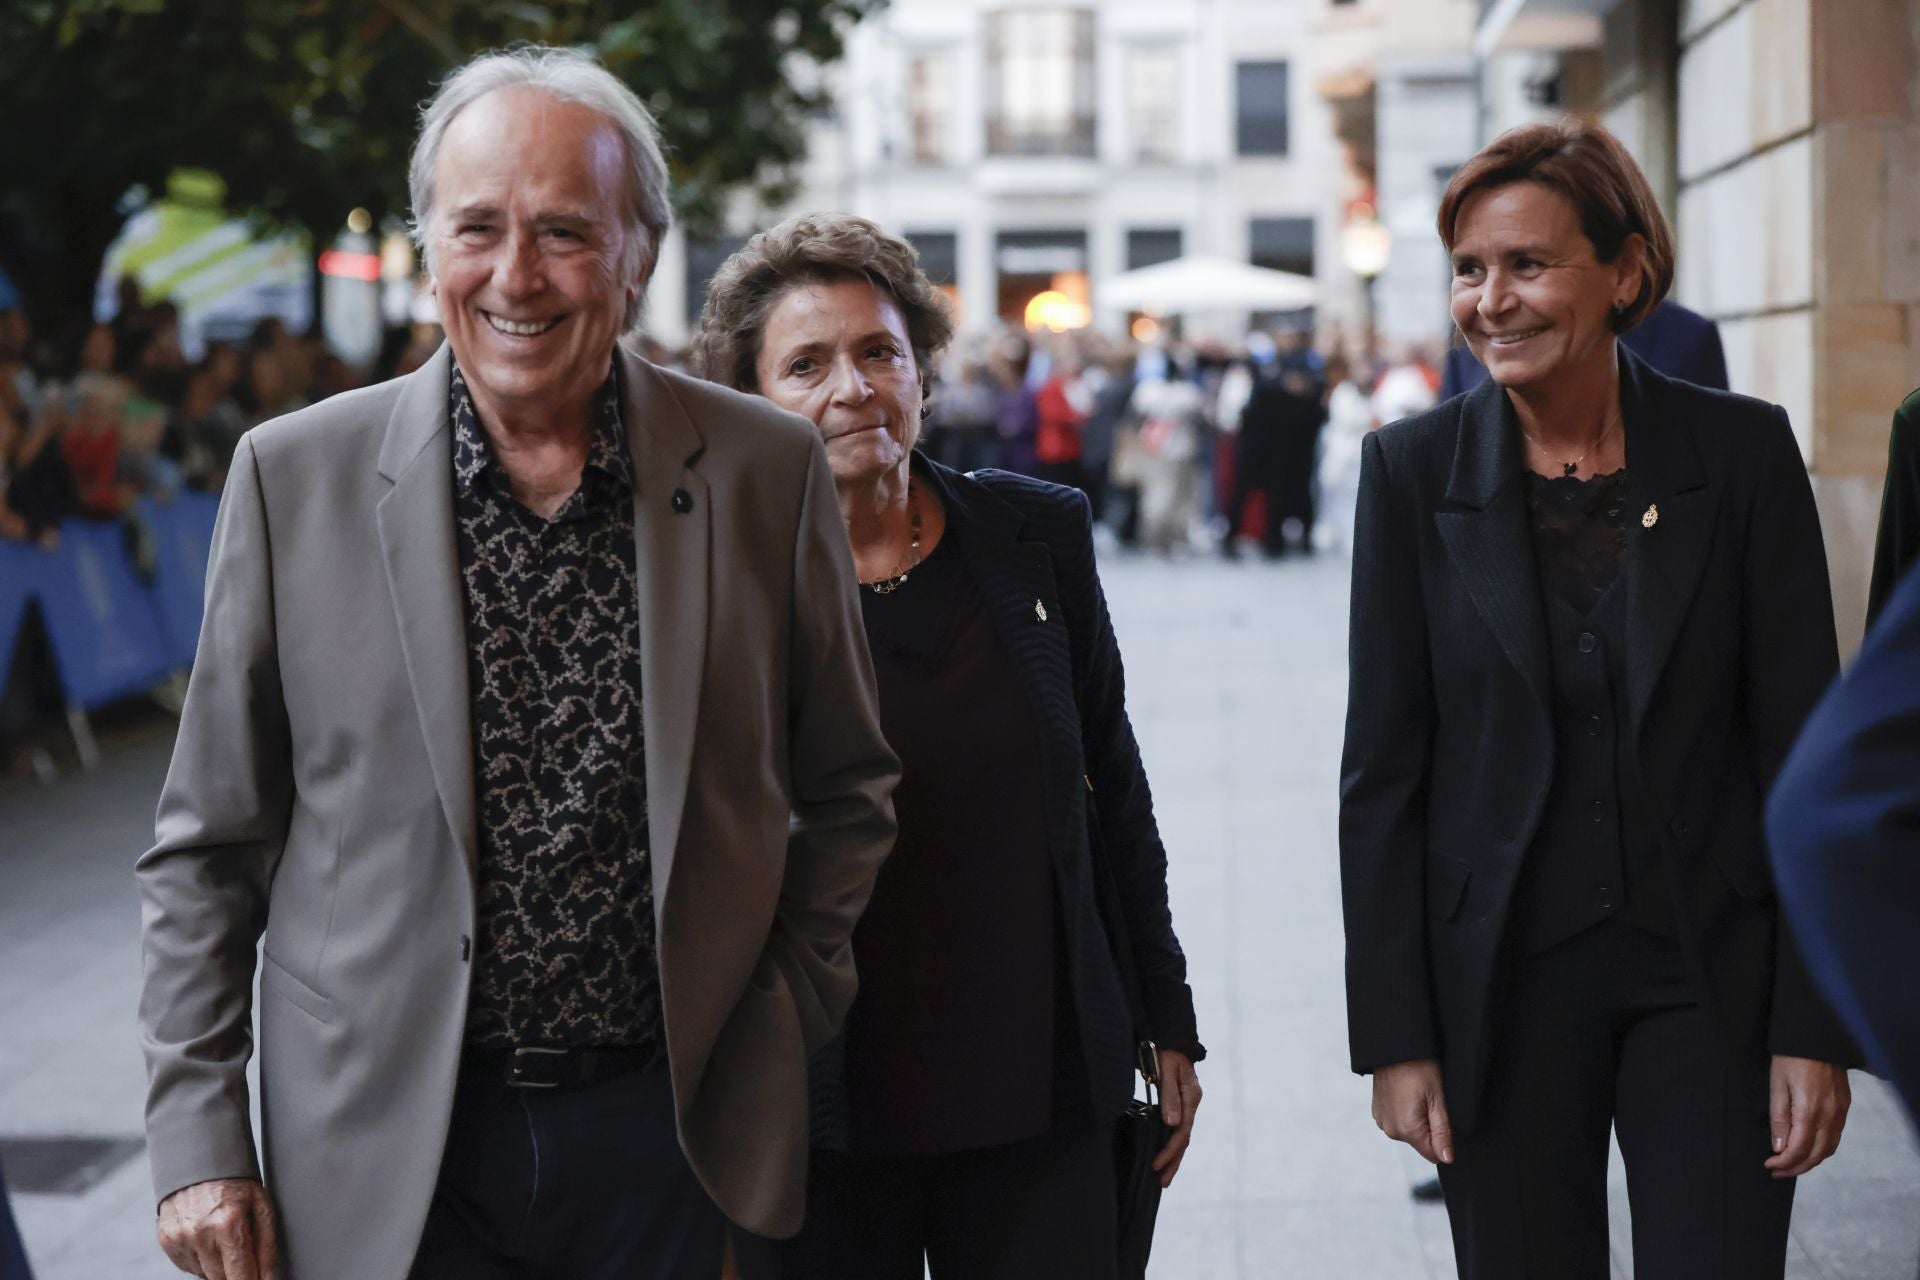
(1585, 163)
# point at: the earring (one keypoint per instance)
(926, 411)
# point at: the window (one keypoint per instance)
(1040, 83)
(1153, 104)
(1284, 244)
(1262, 114)
(1147, 247)
(939, 254)
(929, 100)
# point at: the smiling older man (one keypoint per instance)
(534, 729)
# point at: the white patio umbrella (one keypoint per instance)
(1207, 284)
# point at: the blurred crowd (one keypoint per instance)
(1187, 446)
(119, 412)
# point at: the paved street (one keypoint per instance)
(1238, 679)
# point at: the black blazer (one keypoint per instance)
(1449, 750)
(1029, 547)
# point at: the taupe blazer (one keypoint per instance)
(321, 799)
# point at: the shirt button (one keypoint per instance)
(1588, 642)
(1606, 896)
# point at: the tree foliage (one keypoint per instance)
(308, 107)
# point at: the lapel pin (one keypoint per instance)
(1650, 519)
(1039, 611)
(682, 501)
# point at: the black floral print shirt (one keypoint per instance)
(565, 954)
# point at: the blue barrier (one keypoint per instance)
(183, 540)
(100, 617)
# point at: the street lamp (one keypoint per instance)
(1365, 246)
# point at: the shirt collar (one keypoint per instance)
(608, 462)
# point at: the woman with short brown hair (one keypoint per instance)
(1590, 610)
(1018, 945)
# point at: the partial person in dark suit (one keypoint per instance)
(966, 1117)
(1844, 829)
(1896, 547)
(1590, 611)
(1680, 343)
(13, 1254)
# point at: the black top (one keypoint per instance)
(951, 1042)
(565, 947)
(1592, 856)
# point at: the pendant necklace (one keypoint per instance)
(1568, 468)
(898, 578)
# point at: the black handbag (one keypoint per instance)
(1140, 1133)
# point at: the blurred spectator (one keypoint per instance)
(1407, 387)
(1099, 434)
(97, 351)
(961, 432)
(1279, 439)
(1349, 418)
(40, 488)
(1013, 405)
(1168, 406)
(1060, 408)
(208, 424)
(91, 443)
(141, 470)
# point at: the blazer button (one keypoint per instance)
(1587, 642)
(682, 501)
(1606, 897)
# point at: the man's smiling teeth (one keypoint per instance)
(521, 330)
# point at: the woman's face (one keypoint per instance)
(837, 353)
(1529, 295)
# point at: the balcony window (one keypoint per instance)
(1153, 105)
(1261, 109)
(1040, 82)
(929, 102)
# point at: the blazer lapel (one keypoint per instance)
(418, 542)
(673, 547)
(1017, 590)
(1671, 532)
(1488, 539)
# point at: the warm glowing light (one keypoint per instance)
(1145, 329)
(1057, 313)
(350, 266)
(1366, 245)
(359, 222)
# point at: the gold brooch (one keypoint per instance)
(1650, 519)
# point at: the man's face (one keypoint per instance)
(529, 237)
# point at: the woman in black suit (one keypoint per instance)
(968, 1119)
(1590, 610)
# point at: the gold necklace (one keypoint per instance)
(898, 578)
(1568, 468)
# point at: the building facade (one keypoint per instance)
(1034, 145)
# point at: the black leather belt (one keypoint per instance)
(538, 1067)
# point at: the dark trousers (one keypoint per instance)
(577, 1183)
(1603, 1031)
(1043, 1209)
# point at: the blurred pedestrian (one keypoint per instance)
(1167, 406)
(972, 1102)
(1568, 698)
(1060, 408)
(489, 652)
(1843, 826)
(1405, 389)
(964, 408)
(1349, 419)
(1100, 434)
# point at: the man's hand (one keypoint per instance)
(1179, 1099)
(1409, 1107)
(221, 1230)
(1808, 1110)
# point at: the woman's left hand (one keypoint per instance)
(1807, 1112)
(1179, 1099)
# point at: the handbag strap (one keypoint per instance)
(1146, 1053)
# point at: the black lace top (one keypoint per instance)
(1579, 535)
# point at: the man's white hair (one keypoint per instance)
(570, 75)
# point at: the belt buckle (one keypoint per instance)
(519, 1065)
